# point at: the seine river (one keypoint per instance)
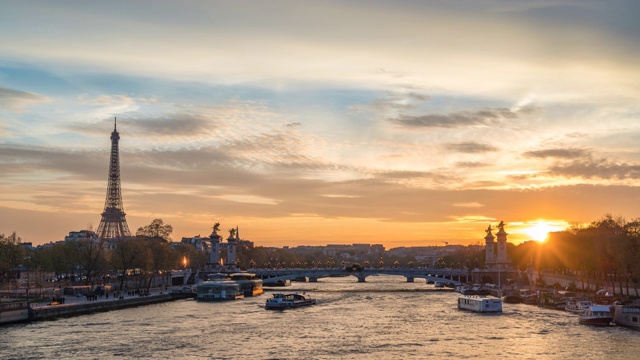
(384, 318)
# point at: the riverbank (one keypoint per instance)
(82, 306)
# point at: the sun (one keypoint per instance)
(539, 231)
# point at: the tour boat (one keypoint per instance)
(218, 291)
(480, 303)
(281, 301)
(627, 315)
(596, 315)
(250, 285)
(578, 306)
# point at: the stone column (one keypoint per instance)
(231, 252)
(214, 251)
(490, 255)
(502, 258)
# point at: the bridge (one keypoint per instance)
(454, 276)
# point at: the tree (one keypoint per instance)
(156, 229)
(159, 252)
(11, 254)
(89, 256)
(126, 257)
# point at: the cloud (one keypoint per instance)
(109, 100)
(597, 169)
(17, 101)
(172, 125)
(469, 205)
(568, 153)
(470, 147)
(470, 164)
(22, 160)
(406, 98)
(484, 117)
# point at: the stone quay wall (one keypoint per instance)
(66, 310)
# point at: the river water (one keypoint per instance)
(383, 318)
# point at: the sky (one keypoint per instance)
(402, 123)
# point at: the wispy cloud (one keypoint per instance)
(484, 117)
(172, 125)
(470, 147)
(17, 101)
(597, 169)
(560, 153)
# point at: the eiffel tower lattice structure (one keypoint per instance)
(114, 224)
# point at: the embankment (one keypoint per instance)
(66, 310)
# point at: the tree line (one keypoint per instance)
(85, 260)
(606, 249)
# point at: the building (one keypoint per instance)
(82, 235)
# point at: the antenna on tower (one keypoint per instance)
(114, 123)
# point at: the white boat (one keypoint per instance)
(627, 315)
(596, 315)
(578, 306)
(480, 303)
(287, 301)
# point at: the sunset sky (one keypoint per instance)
(405, 123)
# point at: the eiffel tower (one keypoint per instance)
(113, 224)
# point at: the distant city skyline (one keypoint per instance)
(304, 123)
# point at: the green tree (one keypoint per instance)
(157, 229)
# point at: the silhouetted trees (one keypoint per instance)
(157, 228)
(11, 255)
(606, 250)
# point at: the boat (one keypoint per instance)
(528, 297)
(281, 301)
(250, 285)
(279, 282)
(627, 315)
(512, 299)
(476, 290)
(480, 303)
(578, 306)
(218, 290)
(184, 292)
(597, 315)
(550, 300)
(438, 284)
(604, 297)
(14, 311)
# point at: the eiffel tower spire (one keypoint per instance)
(113, 223)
